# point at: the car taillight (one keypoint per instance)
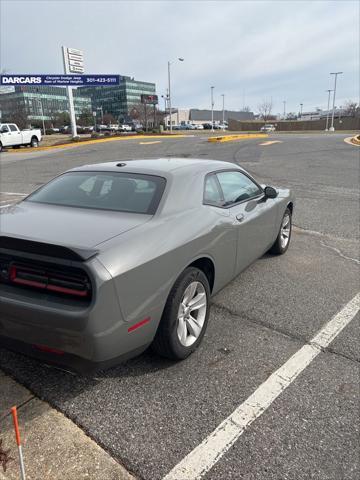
(47, 279)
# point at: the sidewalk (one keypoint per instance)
(54, 447)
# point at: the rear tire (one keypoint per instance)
(282, 241)
(34, 142)
(185, 317)
(1, 147)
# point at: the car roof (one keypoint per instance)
(159, 166)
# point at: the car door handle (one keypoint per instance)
(240, 217)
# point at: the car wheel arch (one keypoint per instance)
(207, 266)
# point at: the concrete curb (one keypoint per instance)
(231, 138)
(91, 142)
(54, 447)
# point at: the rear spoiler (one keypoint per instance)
(46, 249)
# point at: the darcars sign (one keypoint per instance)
(19, 79)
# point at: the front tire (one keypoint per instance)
(282, 241)
(185, 317)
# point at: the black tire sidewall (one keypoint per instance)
(34, 143)
(170, 315)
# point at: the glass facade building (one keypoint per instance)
(118, 100)
(32, 100)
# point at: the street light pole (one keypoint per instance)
(284, 102)
(327, 113)
(169, 91)
(223, 110)
(332, 129)
(212, 108)
(301, 108)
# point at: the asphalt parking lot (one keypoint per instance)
(149, 413)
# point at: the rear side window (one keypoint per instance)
(125, 192)
(13, 128)
(212, 193)
(237, 187)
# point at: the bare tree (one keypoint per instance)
(265, 109)
(351, 108)
(139, 114)
(109, 119)
(246, 109)
(16, 114)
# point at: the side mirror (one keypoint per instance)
(270, 192)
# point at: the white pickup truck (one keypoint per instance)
(11, 136)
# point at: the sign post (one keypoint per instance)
(73, 63)
(149, 100)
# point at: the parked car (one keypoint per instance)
(199, 127)
(125, 128)
(207, 126)
(12, 136)
(107, 259)
(268, 128)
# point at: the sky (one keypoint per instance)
(250, 51)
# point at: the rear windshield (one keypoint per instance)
(123, 192)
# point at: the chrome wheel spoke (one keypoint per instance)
(193, 326)
(197, 302)
(189, 292)
(182, 330)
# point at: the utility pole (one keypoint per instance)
(223, 110)
(284, 102)
(332, 129)
(212, 108)
(301, 108)
(169, 91)
(327, 113)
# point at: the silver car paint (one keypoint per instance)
(139, 258)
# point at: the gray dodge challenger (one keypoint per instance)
(107, 259)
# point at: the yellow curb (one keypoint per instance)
(90, 142)
(353, 140)
(231, 138)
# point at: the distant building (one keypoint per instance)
(196, 116)
(118, 100)
(34, 102)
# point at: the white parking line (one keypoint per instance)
(208, 453)
(7, 205)
(13, 193)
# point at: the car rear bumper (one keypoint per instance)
(71, 335)
(66, 361)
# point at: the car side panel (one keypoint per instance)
(160, 251)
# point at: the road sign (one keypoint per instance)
(74, 60)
